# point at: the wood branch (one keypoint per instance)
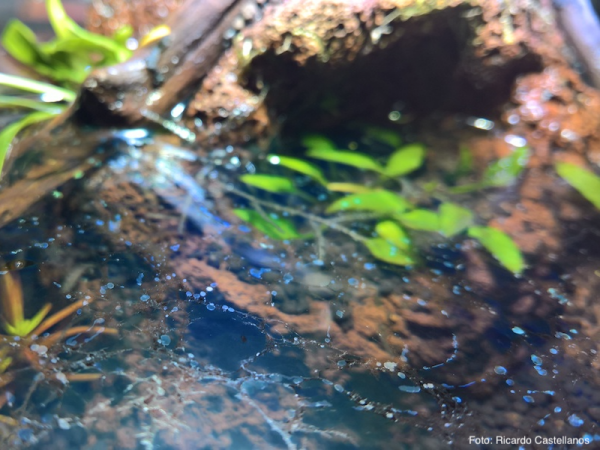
(159, 77)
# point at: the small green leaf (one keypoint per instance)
(379, 201)
(431, 186)
(300, 166)
(405, 160)
(123, 34)
(21, 43)
(501, 246)
(348, 158)
(11, 131)
(271, 183)
(465, 161)
(274, 226)
(66, 28)
(318, 142)
(24, 327)
(4, 363)
(20, 102)
(37, 87)
(585, 181)
(504, 171)
(155, 35)
(385, 135)
(383, 250)
(454, 219)
(62, 24)
(420, 219)
(393, 233)
(349, 188)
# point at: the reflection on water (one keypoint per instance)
(229, 339)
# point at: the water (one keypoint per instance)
(197, 331)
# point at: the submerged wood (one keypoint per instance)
(156, 78)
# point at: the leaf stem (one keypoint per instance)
(37, 87)
(310, 217)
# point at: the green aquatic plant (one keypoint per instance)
(300, 166)
(393, 215)
(15, 324)
(68, 58)
(500, 173)
(13, 320)
(271, 183)
(379, 201)
(65, 61)
(33, 331)
(402, 162)
(585, 181)
(272, 225)
(27, 338)
(500, 246)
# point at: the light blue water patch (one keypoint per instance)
(564, 336)
(257, 273)
(556, 295)
(410, 389)
(500, 370)
(575, 420)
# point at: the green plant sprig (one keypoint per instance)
(391, 213)
(585, 181)
(500, 173)
(65, 60)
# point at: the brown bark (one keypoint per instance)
(459, 56)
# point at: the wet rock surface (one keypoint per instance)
(453, 348)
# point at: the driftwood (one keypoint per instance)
(160, 76)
